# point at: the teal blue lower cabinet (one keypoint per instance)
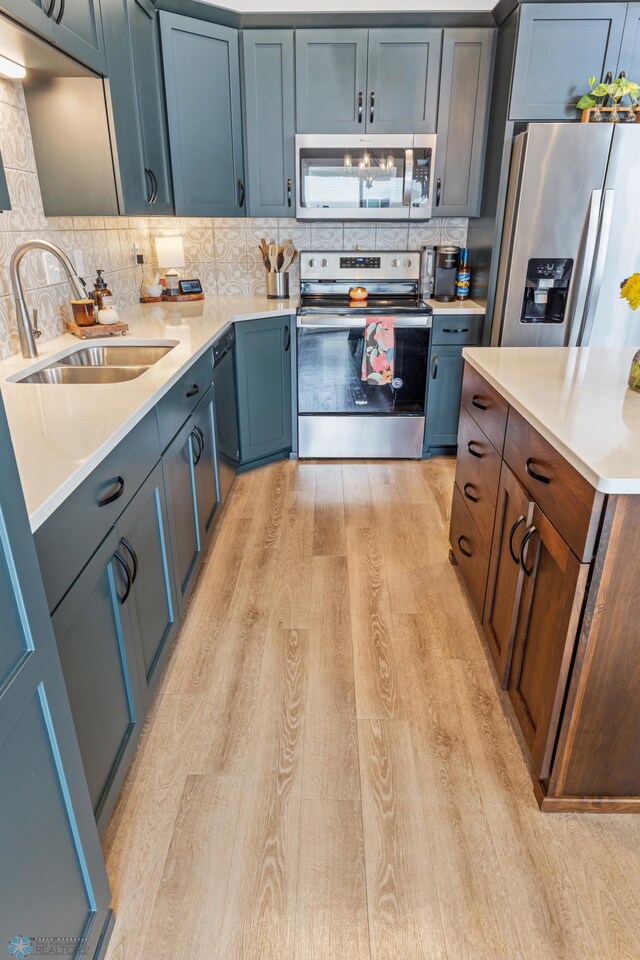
(53, 881)
(450, 333)
(144, 543)
(207, 495)
(95, 637)
(263, 370)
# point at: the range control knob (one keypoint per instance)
(324, 262)
(406, 263)
(395, 263)
(313, 262)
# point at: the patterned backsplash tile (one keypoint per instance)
(224, 253)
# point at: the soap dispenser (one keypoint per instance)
(101, 293)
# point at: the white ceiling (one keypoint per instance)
(353, 6)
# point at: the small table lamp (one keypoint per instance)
(170, 254)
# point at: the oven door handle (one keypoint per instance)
(349, 323)
(408, 177)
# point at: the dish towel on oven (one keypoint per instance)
(379, 350)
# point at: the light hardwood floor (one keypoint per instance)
(327, 772)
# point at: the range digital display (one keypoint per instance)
(359, 263)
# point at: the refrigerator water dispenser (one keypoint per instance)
(546, 290)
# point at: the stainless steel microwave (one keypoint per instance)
(344, 177)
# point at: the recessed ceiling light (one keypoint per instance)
(11, 70)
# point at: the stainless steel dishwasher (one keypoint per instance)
(226, 406)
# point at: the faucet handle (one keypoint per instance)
(36, 330)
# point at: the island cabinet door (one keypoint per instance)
(94, 634)
(548, 617)
(514, 512)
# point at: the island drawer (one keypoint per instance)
(70, 536)
(563, 494)
(487, 407)
(178, 404)
(477, 474)
(455, 329)
(469, 550)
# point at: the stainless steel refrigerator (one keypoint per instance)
(571, 236)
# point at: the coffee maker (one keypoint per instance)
(546, 290)
(445, 272)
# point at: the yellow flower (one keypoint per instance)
(631, 291)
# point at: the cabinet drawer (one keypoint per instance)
(455, 328)
(485, 405)
(477, 474)
(470, 551)
(174, 408)
(66, 541)
(567, 499)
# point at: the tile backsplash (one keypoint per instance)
(222, 252)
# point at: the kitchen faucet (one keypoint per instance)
(28, 335)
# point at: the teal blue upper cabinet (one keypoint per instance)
(268, 70)
(630, 52)
(53, 880)
(263, 366)
(143, 532)
(202, 83)
(139, 121)
(331, 80)
(402, 80)
(5, 201)
(94, 633)
(73, 25)
(465, 84)
(560, 45)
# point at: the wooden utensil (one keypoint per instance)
(288, 258)
(273, 257)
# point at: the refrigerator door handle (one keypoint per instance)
(582, 292)
(598, 269)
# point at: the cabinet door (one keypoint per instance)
(147, 66)
(444, 390)
(78, 31)
(629, 60)
(178, 464)
(94, 634)
(463, 114)
(331, 80)
(545, 636)
(34, 14)
(514, 511)
(402, 80)
(202, 83)
(5, 201)
(143, 532)
(559, 46)
(269, 121)
(264, 387)
(205, 467)
(53, 881)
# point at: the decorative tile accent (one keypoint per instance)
(327, 236)
(424, 234)
(360, 237)
(392, 238)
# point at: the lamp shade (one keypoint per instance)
(170, 251)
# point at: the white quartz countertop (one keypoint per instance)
(61, 432)
(466, 307)
(577, 398)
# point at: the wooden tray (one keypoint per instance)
(97, 330)
(182, 297)
(586, 114)
(150, 299)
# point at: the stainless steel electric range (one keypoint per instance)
(339, 414)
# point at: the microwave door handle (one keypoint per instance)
(598, 267)
(408, 177)
(576, 312)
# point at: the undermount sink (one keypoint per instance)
(100, 363)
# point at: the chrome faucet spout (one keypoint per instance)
(25, 328)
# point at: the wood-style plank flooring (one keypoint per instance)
(328, 773)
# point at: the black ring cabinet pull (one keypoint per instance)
(198, 453)
(523, 546)
(514, 555)
(467, 553)
(240, 192)
(192, 391)
(289, 185)
(438, 191)
(373, 103)
(468, 495)
(434, 367)
(287, 342)
(455, 329)
(154, 190)
(476, 402)
(200, 437)
(49, 9)
(540, 477)
(360, 107)
(474, 453)
(134, 557)
(60, 12)
(113, 496)
(123, 563)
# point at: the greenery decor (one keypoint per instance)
(616, 91)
